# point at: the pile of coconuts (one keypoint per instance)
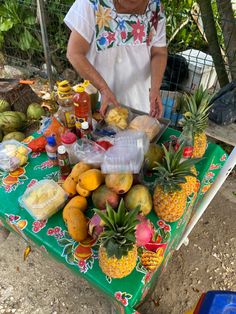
(14, 123)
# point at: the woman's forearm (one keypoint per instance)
(158, 66)
(87, 71)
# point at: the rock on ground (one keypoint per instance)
(40, 285)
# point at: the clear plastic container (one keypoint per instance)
(138, 139)
(122, 159)
(90, 152)
(13, 154)
(43, 199)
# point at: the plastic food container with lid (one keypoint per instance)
(13, 154)
(43, 199)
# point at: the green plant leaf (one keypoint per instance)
(6, 25)
(25, 40)
(29, 20)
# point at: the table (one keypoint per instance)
(52, 237)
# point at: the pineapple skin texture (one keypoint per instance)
(189, 186)
(199, 145)
(117, 268)
(169, 206)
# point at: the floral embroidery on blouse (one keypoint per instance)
(114, 29)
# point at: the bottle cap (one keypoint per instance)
(51, 141)
(68, 138)
(85, 125)
(61, 149)
(79, 89)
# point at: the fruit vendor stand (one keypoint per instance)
(52, 236)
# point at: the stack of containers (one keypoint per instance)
(127, 153)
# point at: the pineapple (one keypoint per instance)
(169, 197)
(152, 260)
(191, 182)
(196, 115)
(118, 251)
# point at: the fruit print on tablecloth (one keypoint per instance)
(38, 225)
(17, 224)
(10, 181)
(123, 297)
(81, 254)
(48, 164)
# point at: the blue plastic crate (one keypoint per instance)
(218, 302)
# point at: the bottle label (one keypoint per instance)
(52, 156)
(70, 119)
(188, 152)
(78, 122)
(63, 162)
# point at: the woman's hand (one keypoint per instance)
(155, 103)
(108, 98)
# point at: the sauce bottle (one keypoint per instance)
(65, 113)
(63, 161)
(85, 130)
(51, 149)
(82, 107)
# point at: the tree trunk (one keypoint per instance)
(228, 26)
(211, 35)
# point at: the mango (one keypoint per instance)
(77, 224)
(120, 183)
(154, 154)
(69, 185)
(104, 195)
(91, 179)
(79, 168)
(139, 195)
(81, 191)
(77, 201)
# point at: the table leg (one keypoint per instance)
(210, 194)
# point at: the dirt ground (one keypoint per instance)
(40, 285)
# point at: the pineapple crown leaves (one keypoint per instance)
(196, 109)
(118, 236)
(171, 172)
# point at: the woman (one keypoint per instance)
(120, 46)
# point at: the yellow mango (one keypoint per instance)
(69, 185)
(79, 168)
(77, 224)
(77, 201)
(91, 179)
(81, 191)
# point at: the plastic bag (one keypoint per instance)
(147, 124)
(43, 199)
(89, 152)
(223, 110)
(13, 154)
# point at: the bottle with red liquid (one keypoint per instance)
(63, 161)
(83, 112)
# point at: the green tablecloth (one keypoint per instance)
(51, 235)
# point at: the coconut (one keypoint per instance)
(18, 136)
(35, 111)
(4, 105)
